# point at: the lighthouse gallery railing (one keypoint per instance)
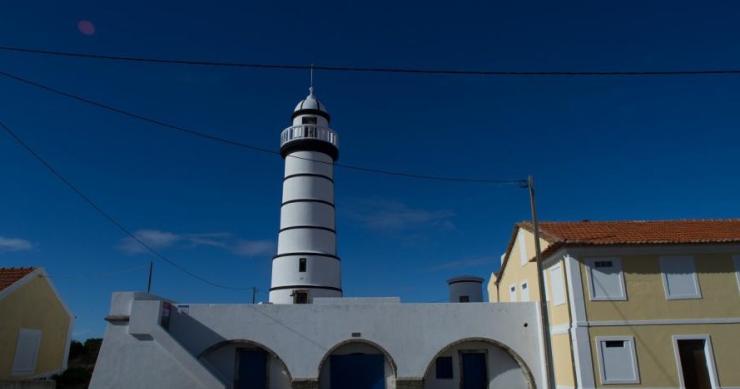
(309, 131)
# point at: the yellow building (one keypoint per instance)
(35, 325)
(649, 304)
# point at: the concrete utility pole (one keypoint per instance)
(149, 282)
(541, 284)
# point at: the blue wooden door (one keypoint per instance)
(358, 371)
(474, 374)
(251, 369)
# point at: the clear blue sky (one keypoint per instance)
(600, 148)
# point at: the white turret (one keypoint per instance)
(306, 264)
(466, 289)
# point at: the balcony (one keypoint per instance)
(309, 131)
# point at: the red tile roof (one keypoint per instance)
(9, 275)
(640, 232)
(629, 232)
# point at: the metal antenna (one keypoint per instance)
(310, 87)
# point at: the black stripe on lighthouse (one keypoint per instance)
(308, 201)
(309, 228)
(309, 144)
(305, 287)
(306, 254)
(309, 175)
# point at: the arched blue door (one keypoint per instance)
(358, 371)
(474, 375)
(251, 369)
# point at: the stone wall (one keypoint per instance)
(409, 384)
(305, 384)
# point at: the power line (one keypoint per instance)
(107, 215)
(216, 138)
(98, 274)
(126, 231)
(367, 69)
(158, 255)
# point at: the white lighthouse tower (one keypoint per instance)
(306, 264)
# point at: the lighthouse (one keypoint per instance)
(306, 265)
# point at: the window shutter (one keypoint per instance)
(524, 291)
(512, 293)
(606, 280)
(26, 351)
(679, 277)
(557, 285)
(736, 260)
(522, 243)
(617, 360)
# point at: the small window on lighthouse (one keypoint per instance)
(302, 265)
(309, 120)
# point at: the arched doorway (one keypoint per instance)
(477, 364)
(241, 364)
(357, 364)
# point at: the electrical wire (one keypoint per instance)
(97, 275)
(126, 231)
(366, 69)
(89, 201)
(216, 138)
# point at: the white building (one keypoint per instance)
(310, 336)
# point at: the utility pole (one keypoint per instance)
(541, 284)
(254, 294)
(149, 283)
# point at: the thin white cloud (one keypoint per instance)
(213, 239)
(14, 244)
(155, 239)
(395, 215)
(463, 264)
(158, 239)
(253, 248)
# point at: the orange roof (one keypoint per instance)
(9, 275)
(640, 232)
(630, 232)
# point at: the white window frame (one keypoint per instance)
(590, 264)
(34, 353)
(630, 340)
(546, 281)
(563, 296)
(522, 287)
(736, 262)
(664, 276)
(708, 354)
(521, 241)
(512, 293)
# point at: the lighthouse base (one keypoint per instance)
(301, 295)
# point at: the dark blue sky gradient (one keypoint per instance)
(600, 148)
